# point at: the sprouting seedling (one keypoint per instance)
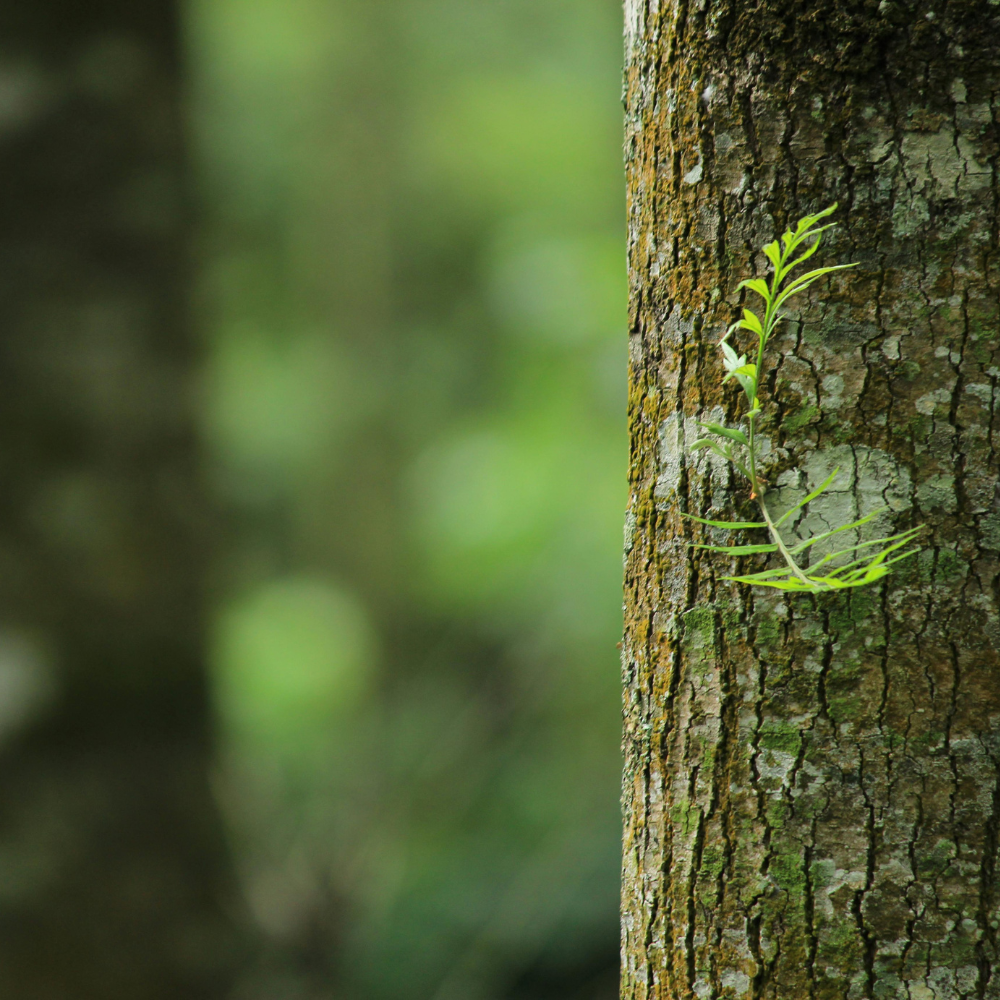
(828, 572)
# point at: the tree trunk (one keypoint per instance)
(113, 865)
(811, 783)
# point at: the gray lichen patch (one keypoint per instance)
(938, 491)
(629, 533)
(867, 481)
(676, 436)
(671, 456)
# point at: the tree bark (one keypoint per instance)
(811, 788)
(114, 871)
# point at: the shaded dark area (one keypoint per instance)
(114, 865)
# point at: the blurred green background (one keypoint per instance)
(412, 300)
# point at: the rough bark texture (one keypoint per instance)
(111, 860)
(811, 785)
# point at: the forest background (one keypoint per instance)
(411, 293)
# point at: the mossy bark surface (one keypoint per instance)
(811, 786)
(114, 876)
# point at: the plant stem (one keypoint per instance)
(758, 492)
(770, 321)
(775, 534)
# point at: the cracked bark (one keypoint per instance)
(811, 785)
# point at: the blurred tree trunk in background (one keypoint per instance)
(811, 793)
(112, 861)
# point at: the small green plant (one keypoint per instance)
(836, 570)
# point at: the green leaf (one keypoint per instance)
(737, 368)
(817, 585)
(749, 387)
(872, 569)
(903, 555)
(736, 550)
(731, 359)
(805, 229)
(802, 546)
(807, 253)
(860, 566)
(812, 496)
(802, 233)
(808, 221)
(803, 282)
(898, 540)
(758, 285)
(869, 561)
(727, 432)
(806, 226)
(792, 584)
(797, 241)
(706, 443)
(764, 574)
(751, 322)
(825, 583)
(871, 576)
(745, 375)
(731, 525)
